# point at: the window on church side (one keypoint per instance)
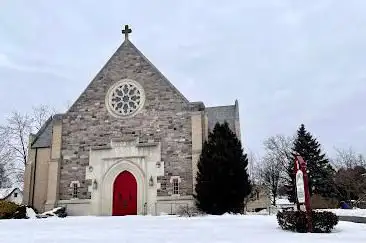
(175, 186)
(75, 190)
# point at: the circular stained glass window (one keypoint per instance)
(125, 98)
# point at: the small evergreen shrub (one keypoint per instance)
(323, 222)
(20, 213)
(7, 209)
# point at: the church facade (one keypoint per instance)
(128, 145)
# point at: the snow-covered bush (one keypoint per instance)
(323, 222)
(58, 212)
(9, 210)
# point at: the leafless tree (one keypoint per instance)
(253, 161)
(39, 115)
(279, 147)
(272, 169)
(270, 174)
(5, 160)
(17, 130)
(350, 178)
(253, 175)
(348, 158)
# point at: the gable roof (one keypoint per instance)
(6, 192)
(43, 138)
(127, 44)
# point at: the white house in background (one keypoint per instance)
(284, 203)
(14, 195)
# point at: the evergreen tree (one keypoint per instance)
(320, 172)
(222, 177)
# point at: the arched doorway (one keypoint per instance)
(124, 194)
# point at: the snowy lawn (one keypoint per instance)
(163, 229)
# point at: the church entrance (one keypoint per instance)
(125, 195)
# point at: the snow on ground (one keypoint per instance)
(348, 212)
(30, 213)
(164, 229)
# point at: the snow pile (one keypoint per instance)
(59, 212)
(158, 229)
(30, 213)
(283, 201)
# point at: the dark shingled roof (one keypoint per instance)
(221, 114)
(43, 139)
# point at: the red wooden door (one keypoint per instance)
(125, 195)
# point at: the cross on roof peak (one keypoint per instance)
(126, 31)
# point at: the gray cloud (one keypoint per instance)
(286, 61)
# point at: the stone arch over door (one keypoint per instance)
(108, 182)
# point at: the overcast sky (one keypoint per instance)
(287, 62)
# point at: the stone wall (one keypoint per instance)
(165, 117)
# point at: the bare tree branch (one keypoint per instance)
(349, 179)
(17, 130)
(348, 158)
(272, 170)
(41, 114)
(5, 161)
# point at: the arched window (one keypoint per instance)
(75, 189)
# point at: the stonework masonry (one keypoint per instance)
(88, 145)
(164, 118)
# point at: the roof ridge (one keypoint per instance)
(156, 69)
(117, 51)
(8, 190)
(41, 130)
(220, 106)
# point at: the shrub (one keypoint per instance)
(323, 222)
(7, 209)
(188, 211)
(20, 213)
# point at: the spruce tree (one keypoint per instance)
(320, 172)
(222, 177)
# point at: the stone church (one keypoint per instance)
(128, 145)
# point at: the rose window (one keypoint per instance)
(125, 98)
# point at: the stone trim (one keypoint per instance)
(106, 196)
(74, 201)
(125, 157)
(101, 147)
(74, 182)
(175, 177)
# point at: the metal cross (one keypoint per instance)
(126, 31)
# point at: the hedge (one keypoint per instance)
(7, 209)
(323, 222)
